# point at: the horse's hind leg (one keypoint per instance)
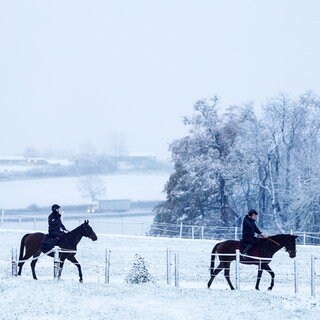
(21, 263)
(214, 273)
(227, 275)
(33, 265)
(73, 259)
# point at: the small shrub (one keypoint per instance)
(139, 272)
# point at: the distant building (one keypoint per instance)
(136, 161)
(12, 160)
(22, 161)
(37, 161)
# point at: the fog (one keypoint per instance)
(76, 74)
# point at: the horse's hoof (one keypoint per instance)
(257, 289)
(81, 281)
(269, 289)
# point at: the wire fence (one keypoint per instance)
(221, 233)
(144, 226)
(184, 263)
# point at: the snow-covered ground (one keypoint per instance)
(45, 192)
(24, 298)
(138, 225)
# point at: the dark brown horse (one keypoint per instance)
(267, 247)
(31, 243)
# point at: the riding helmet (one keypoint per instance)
(55, 207)
(251, 212)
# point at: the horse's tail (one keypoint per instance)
(22, 245)
(213, 255)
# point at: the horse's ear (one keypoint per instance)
(86, 221)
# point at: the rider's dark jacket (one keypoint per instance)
(56, 226)
(249, 229)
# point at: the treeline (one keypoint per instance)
(87, 165)
(237, 160)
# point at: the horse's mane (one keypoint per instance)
(280, 236)
(77, 228)
(281, 239)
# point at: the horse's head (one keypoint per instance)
(87, 231)
(290, 244)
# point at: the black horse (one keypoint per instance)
(266, 249)
(32, 243)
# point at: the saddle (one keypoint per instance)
(48, 243)
(241, 245)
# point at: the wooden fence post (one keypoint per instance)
(14, 271)
(176, 269)
(107, 267)
(313, 276)
(295, 268)
(238, 269)
(56, 263)
(168, 267)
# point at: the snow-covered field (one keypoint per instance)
(24, 298)
(45, 192)
(138, 225)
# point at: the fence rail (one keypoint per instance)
(172, 267)
(144, 226)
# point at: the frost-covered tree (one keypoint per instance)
(208, 163)
(292, 127)
(233, 161)
(91, 187)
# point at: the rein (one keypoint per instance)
(277, 243)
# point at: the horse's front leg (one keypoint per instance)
(61, 264)
(258, 277)
(267, 268)
(73, 259)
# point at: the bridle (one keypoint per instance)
(278, 244)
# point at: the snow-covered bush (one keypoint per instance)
(139, 272)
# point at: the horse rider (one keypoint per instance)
(249, 229)
(56, 227)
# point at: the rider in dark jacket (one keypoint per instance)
(249, 229)
(56, 227)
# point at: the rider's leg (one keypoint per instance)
(247, 248)
(250, 246)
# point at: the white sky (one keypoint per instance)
(76, 72)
